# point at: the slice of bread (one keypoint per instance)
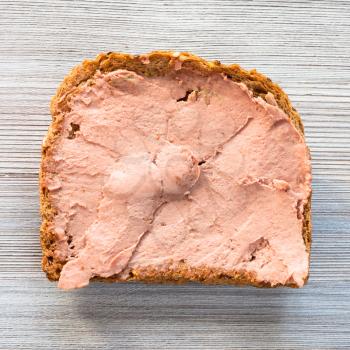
(60, 240)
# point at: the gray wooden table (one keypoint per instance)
(303, 45)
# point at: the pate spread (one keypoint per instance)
(154, 172)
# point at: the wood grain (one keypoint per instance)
(302, 45)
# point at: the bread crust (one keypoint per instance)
(158, 63)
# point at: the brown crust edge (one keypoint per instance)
(160, 63)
